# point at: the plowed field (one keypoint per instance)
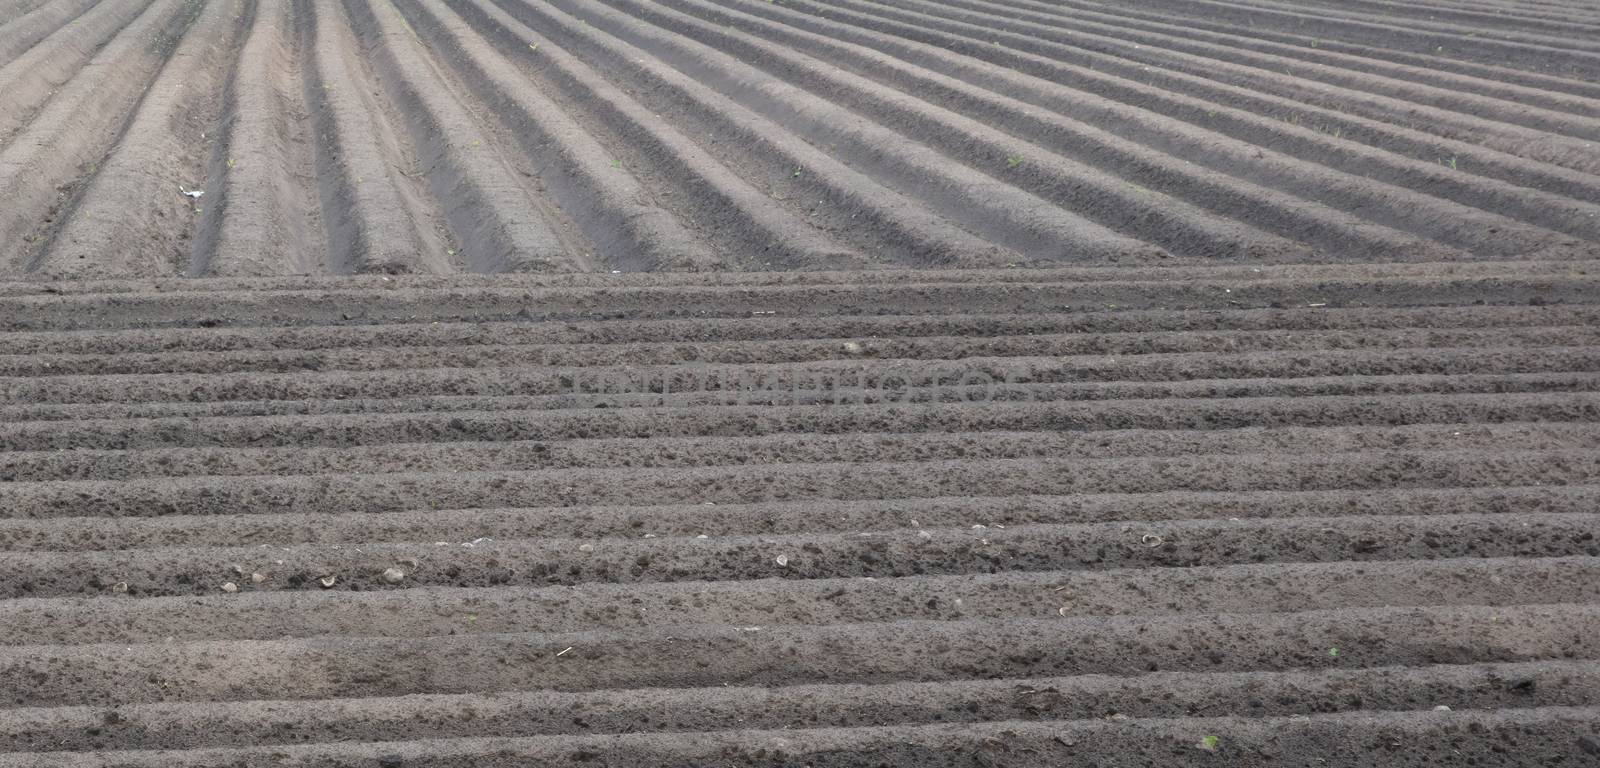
(861, 383)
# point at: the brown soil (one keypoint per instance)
(426, 136)
(863, 383)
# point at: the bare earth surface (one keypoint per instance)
(858, 383)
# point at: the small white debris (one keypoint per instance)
(120, 587)
(194, 193)
(1318, 304)
(852, 347)
(924, 534)
(230, 587)
(258, 577)
(1151, 540)
(783, 560)
(1442, 708)
(649, 535)
(327, 582)
(564, 652)
(585, 547)
(616, 271)
(702, 536)
(394, 575)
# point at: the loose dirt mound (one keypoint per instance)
(938, 518)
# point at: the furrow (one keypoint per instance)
(427, 611)
(1424, 148)
(982, 202)
(698, 185)
(1528, 20)
(699, 656)
(732, 451)
(1490, 74)
(420, 304)
(1233, 196)
(1126, 101)
(1323, 113)
(1221, 413)
(1543, 736)
(30, 80)
(371, 227)
(455, 526)
(1177, 226)
(222, 287)
(31, 25)
(1569, 36)
(1209, 219)
(1570, 58)
(1334, 63)
(887, 379)
(43, 169)
(381, 492)
(809, 390)
(528, 714)
(173, 131)
(1522, 106)
(487, 206)
(871, 216)
(1516, 10)
(264, 220)
(11, 10)
(617, 213)
(871, 554)
(764, 352)
(123, 346)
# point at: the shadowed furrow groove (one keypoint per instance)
(35, 21)
(703, 655)
(1128, 107)
(543, 713)
(487, 207)
(368, 216)
(28, 81)
(264, 222)
(175, 123)
(701, 182)
(45, 166)
(1404, 738)
(1165, 48)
